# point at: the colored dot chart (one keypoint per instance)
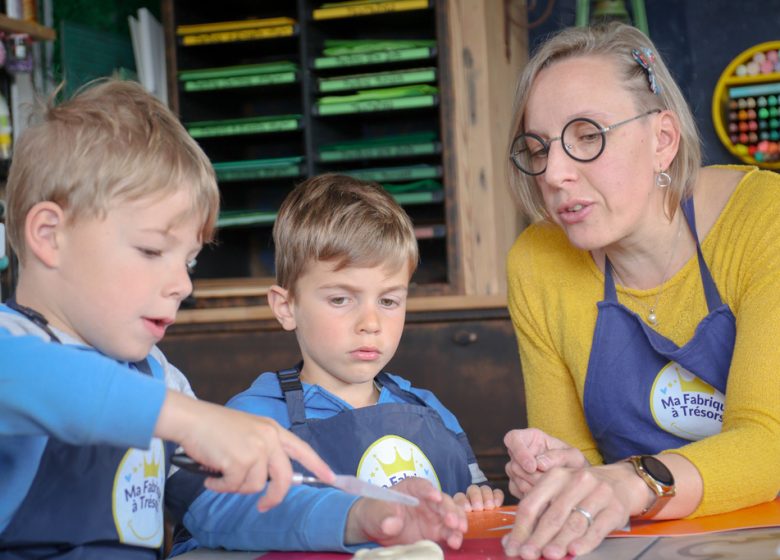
(746, 106)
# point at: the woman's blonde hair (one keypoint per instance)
(344, 220)
(111, 142)
(615, 41)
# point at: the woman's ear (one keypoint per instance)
(667, 139)
(43, 231)
(280, 302)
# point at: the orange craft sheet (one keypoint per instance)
(496, 523)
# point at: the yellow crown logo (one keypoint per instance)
(151, 469)
(399, 464)
(695, 385)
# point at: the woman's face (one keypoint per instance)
(612, 199)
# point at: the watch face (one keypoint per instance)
(657, 470)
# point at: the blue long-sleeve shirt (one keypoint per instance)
(308, 518)
(69, 392)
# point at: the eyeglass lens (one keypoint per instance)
(582, 139)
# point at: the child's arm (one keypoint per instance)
(246, 449)
(323, 519)
(82, 397)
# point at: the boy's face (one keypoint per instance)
(122, 277)
(348, 323)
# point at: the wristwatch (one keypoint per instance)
(658, 477)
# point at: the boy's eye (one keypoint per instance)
(338, 300)
(388, 302)
(147, 252)
(191, 265)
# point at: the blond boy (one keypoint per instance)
(345, 253)
(109, 201)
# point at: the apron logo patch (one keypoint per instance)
(684, 405)
(390, 459)
(137, 500)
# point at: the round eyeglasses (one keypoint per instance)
(582, 139)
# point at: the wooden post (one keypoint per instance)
(488, 45)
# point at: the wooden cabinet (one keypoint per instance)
(466, 355)
(460, 59)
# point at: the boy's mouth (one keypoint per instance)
(366, 353)
(157, 325)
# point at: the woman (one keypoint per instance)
(644, 299)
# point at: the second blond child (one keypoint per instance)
(345, 253)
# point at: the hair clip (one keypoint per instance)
(646, 59)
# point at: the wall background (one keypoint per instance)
(696, 38)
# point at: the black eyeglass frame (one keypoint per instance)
(602, 130)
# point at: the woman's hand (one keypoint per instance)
(532, 453)
(571, 510)
(479, 498)
(437, 518)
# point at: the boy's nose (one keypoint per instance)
(180, 285)
(369, 320)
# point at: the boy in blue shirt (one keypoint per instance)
(345, 252)
(109, 201)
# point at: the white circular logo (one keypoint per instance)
(138, 496)
(391, 459)
(684, 405)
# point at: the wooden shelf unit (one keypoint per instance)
(474, 219)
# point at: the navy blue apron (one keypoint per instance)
(645, 394)
(91, 501)
(384, 443)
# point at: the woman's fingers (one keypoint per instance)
(568, 510)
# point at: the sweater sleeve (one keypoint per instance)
(73, 394)
(541, 312)
(739, 466)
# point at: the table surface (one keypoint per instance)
(745, 543)
(748, 533)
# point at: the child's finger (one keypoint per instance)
(476, 497)
(461, 500)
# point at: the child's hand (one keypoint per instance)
(479, 498)
(437, 518)
(246, 449)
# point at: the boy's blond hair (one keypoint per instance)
(339, 218)
(111, 142)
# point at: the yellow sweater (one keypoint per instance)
(553, 291)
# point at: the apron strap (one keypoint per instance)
(386, 381)
(711, 293)
(290, 383)
(710, 289)
(37, 319)
(143, 366)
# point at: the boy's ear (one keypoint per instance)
(280, 302)
(668, 139)
(43, 229)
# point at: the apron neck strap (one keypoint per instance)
(710, 289)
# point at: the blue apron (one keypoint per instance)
(384, 443)
(92, 501)
(645, 394)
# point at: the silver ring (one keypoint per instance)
(585, 513)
